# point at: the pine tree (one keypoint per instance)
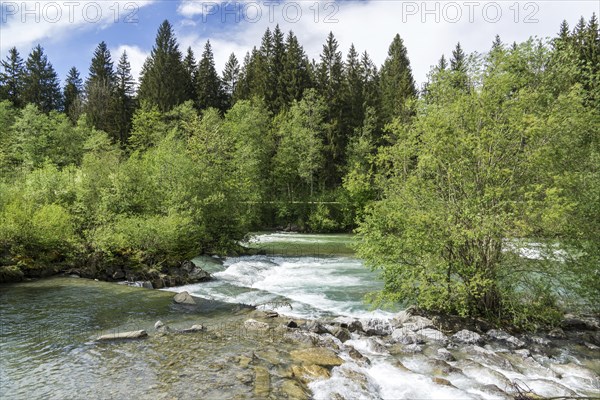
(191, 69)
(329, 84)
(295, 77)
(11, 78)
(72, 95)
(497, 43)
(40, 84)
(124, 101)
(442, 64)
(163, 80)
(276, 66)
(353, 91)
(397, 83)
(100, 91)
(458, 64)
(231, 76)
(242, 89)
(209, 89)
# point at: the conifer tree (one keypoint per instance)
(442, 64)
(458, 64)
(353, 91)
(397, 83)
(11, 78)
(124, 102)
(40, 84)
(276, 65)
(100, 91)
(231, 76)
(242, 89)
(191, 69)
(209, 89)
(72, 95)
(163, 81)
(295, 76)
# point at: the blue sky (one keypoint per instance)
(70, 30)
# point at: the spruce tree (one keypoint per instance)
(276, 64)
(124, 101)
(231, 76)
(72, 95)
(295, 77)
(40, 84)
(242, 89)
(397, 83)
(163, 80)
(11, 78)
(442, 64)
(458, 64)
(100, 91)
(209, 89)
(191, 69)
(353, 91)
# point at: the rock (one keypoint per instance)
(271, 314)
(208, 264)
(376, 327)
(557, 333)
(505, 337)
(244, 361)
(420, 322)
(308, 373)
(357, 356)
(434, 335)
(467, 337)
(590, 346)
(293, 390)
(254, 325)
(184, 298)
(540, 341)
(445, 355)
(441, 381)
(316, 327)
(161, 327)
(413, 348)
(317, 355)
(124, 335)
(198, 274)
(578, 323)
(119, 274)
(406, 336)
(353, 325)
(523, 353)
(341, 333)
(147, 285)
(262, 382)
(291, 324)
(400, 318)
(194, 328)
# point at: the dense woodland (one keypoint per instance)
(443, 182)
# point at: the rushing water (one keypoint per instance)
(48, 330)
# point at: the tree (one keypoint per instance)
(191, 69)
(442, 64)
(163, 79)
(40, 84)
(100, 91)
(295, 77)
(124, 98)
(209, 90)
(11, 78)
(458, 65)
(353, 91)
(397, 83)
(72, 95)
(276, 64)
(231, 76)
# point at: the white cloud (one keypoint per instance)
(371, 26)
(25, 24)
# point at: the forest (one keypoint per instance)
(444, 183)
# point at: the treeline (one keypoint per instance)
(442, 181)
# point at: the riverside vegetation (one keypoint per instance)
(447, 185)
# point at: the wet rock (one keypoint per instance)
(271, 314)
(262, 382)
(441, 381)
(444, 354)
(413, 348)
(254, 325)
(375, 345)
(316, 327)
(184, 298)
(358, 378)
(557, 333)
(376, 327)
(124, 335)
(500, 335)
(357, 356)
(540, 340)
(578, 323)
(523, 353)
(147, 285)
(291, 324)
(293, 390)
(420, 322)
(400, 318)
(467, 337)
(341, 333)
(432, 335)
(591, 346)
(161, 327)
(244, 361)
(318, 356)
(406, 336)
(245, 378)
(310, 372)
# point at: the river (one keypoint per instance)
(48, 330)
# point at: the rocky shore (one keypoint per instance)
(345, 358)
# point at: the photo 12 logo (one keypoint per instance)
(69, 11)
(469, 11)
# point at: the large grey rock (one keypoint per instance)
(208, 264)
(184, 298)
(400, 318)
(161, 327)
(377, 326)
(341, 333)
(316, 327)
(467, 337)
(432, 335)
(420, 322)
(500, 335)
(254, 325)
(147, 285)
(406, 336)
(444, 354)
(124, 335)
(194, 328)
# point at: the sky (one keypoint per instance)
(70, 30)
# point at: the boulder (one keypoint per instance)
(262, 382)
(311, 372)
(445, 355)
(124, 335)
(254, 325)
(316, 327)
(406, 336)
(578, 323)
(441, 381)
(161, 327)
(467, 337)
(293, 390)
(500, 335)
(184, 298)
(194, 328)
(147, 285)
(432, 335)
(557, 333)
(341, 333)
(291, 324)
(420, 322)
(318, 356)
(376, 327)
(400, 318)
(198, 274)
